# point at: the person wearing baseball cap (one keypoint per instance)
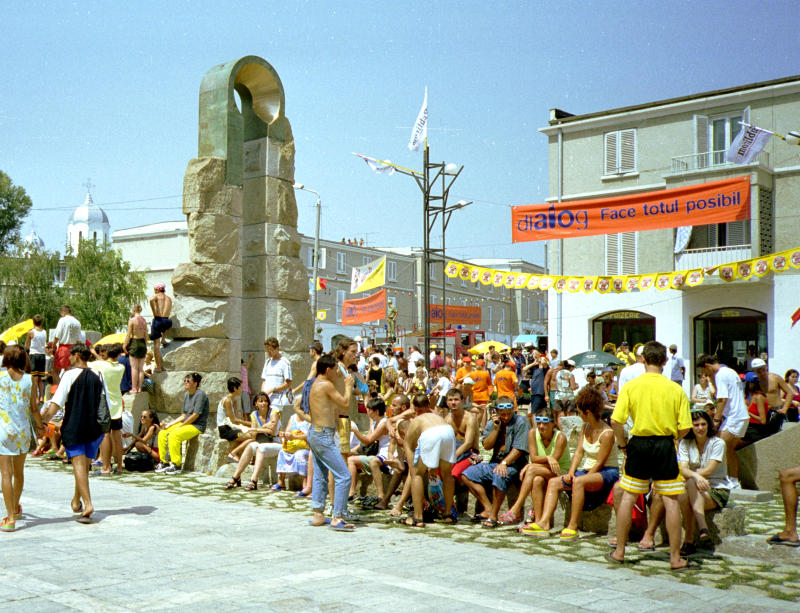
(624, 354)
(464, 370)
(774, 385)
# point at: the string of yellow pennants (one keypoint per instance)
(732, 271)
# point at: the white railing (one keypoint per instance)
(711, 159)
(711, 256)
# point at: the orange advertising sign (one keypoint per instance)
(468, 315)
(362, 310)
(690, 205)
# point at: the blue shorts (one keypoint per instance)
(593, 500)
(87, 449)
(484, 473)
(159, 326)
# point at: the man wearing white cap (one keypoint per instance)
(772, 384)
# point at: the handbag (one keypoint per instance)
(295, 444)
(371, 449)
(138, 461)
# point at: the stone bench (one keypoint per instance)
(760, 462)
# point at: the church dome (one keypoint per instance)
(89, 213)
(34, 239)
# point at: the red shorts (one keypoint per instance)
(61, 359)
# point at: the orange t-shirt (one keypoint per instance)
(461, 373)
(483, 386)
(506, 382)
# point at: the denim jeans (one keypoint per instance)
(324, 444)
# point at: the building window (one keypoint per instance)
(619, 152)
(432, 271)
(341, 262)
(391, 270)
(365, 259)
(491, 309)
(621, 253)
(463, 283)
(447, 300)
(491, 288)
(527, 309)
(732, 234)
(339, 305)
(501, 325)
(94, 235)
(714, 135)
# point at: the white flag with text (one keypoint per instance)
(420, 130)
(747, 144)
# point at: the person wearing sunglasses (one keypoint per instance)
(550, 458)
(506, 435)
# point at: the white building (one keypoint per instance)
(666, 144)
(88, 222)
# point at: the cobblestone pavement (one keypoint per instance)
(183, 542)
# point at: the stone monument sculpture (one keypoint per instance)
(244, 281)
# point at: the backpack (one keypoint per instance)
(306, 394)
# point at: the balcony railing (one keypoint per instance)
(711, 256)
(711, 159)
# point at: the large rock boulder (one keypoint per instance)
(760, 462)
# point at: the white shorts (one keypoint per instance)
(737, 427)
(435, 444)
(271, 450)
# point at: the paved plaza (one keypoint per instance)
(183, 543)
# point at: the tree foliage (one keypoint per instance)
(14, 206)
(102, 287)
(28, 285)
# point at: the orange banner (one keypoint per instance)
(691, 205)
(362, 310)
(455, 314)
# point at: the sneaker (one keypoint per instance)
(349, 516)
(162, 466)
(735, 485)
(172, 469)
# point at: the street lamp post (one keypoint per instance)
(315, 255)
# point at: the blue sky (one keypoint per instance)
(109, 91)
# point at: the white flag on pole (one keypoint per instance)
(379, 166)
(747, 144)
(420, 130)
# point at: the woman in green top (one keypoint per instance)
(549, 456)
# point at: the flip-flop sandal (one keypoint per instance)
(276, 488)
(300, 495)
(7, 526)
(775, 539)
(568, 535)
(18, 514)
(490, 523)
(325, 523)
(477, 519)
(84, 519)
(640, 548)
(100, 473)
(342, 527)
(532, 529)
(610, 557)
(508, 519)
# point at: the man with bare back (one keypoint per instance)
(328, 404)
(161, 307)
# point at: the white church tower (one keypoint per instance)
(88, 222)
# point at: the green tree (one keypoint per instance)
(28, 285)
(102, 287)
(14, 206)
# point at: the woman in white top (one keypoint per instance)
(265, 429)
(592, 474)
(375, 464)
(703, 393)
(701, 457)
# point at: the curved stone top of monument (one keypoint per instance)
(223, 128)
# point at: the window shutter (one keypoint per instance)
(612, 254)
(745, 119)
(701, 140)
(736, 233)
(627, 255)
(339, 305)
(713, 235)
(610, 158)
(627, 151)
(323, 258)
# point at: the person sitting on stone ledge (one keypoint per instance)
(593, 472)
(190, 424)
(757, 409)
(377, 440)
(701, 457)
(506, 434)
(550, 458)
(265, 428)
(788, 536)
(231, 426)
(294, 455)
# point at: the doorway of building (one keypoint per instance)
(617, 326)
(728, 333)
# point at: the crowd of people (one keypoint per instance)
(485, 426)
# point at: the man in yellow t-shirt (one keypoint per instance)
(660, 412)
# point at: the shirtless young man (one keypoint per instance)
(328, 404)
(430, 440)
(772, 385)
(161, 307)
(465, 425)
